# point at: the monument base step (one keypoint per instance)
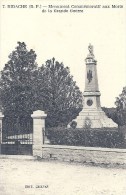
(95, 118)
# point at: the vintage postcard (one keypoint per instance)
(62, 97)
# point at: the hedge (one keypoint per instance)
(109, 138)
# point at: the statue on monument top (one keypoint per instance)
(90, 48)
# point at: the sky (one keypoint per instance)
(66, 37)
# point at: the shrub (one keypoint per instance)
(110, 138)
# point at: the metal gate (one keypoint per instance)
(17, 135)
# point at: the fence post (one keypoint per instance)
(1, 118)
(38, 134)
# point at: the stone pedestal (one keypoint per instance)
(38, 131)
(94, 118)
(1, 118)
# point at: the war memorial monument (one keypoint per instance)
(92, 114)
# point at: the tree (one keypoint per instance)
(62, 97)
(24, 88)
(111, 113)
(118, 114)
(18, 82)
(121, 107)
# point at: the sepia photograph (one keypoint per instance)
(62, 97)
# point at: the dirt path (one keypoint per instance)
(24, 177)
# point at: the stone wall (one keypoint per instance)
(84, 154)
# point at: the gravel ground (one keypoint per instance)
(23, 177)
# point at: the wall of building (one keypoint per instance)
(84, 154)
